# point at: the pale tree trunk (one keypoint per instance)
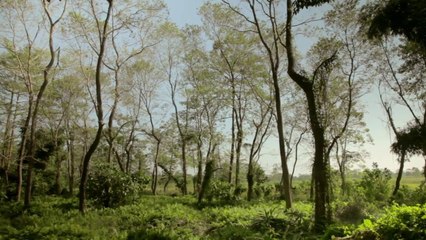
(273, 54)
(296, 155)
(231, 157)
(199, 165)
(342, 171)
(9, 135)
(46, 80)
(238, 153)
(181, 128)
(71, 159)
(259, 139)
(7, 138)
(119, 62)
(154, 179)
(21, 151)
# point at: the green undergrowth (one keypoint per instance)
(153, 217)
(166, 217)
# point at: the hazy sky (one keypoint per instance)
(184, 12)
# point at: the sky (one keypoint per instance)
(184, 12)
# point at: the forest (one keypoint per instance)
(117, 123)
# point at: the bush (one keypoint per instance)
(220, 191)
(263, 190)
(398, 222)
(109, 187)
(410, 196)
(352, 212)
(290, 223)
(375, 184)
(333, 231)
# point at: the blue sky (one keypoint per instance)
(184, 12)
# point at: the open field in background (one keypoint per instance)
(410, 181)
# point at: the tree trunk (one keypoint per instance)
(231, 158)
(401, 170)
(184, 186)
(71, 160)
(99, 113)
(154, 179)
(343, 185)
(200, 166)
(320, 167)
(238, 155)
(22, 146)
(284, 167)
(58, 187)
(250, 181)
(85, 168)
(7, 136)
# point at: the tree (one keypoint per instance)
(399, 17)
(30, 73)
(260, 135)
(402, 18)
(147, 91)
(99, 49)
(231, 52)
(171, 65)
(138, 26)
(271, 39)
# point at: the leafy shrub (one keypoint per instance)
(110, 187)
(290, 223)
(409, 196)
(375, 183)
(238, 191)
(398, 222)
(263, 190)
(333, 231)
(221, 191)
(352, 212)
(301, 191)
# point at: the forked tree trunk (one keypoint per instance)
(320, 172)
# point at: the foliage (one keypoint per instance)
(400, 17)
(302, 4)
(410, 196)
(375, 183)
(263, 190)
(333, 231)
(398, 222)
(221, 191)
(110, 187)
(351, 212)
(165, 217)
(292, 223)
(411, 139)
